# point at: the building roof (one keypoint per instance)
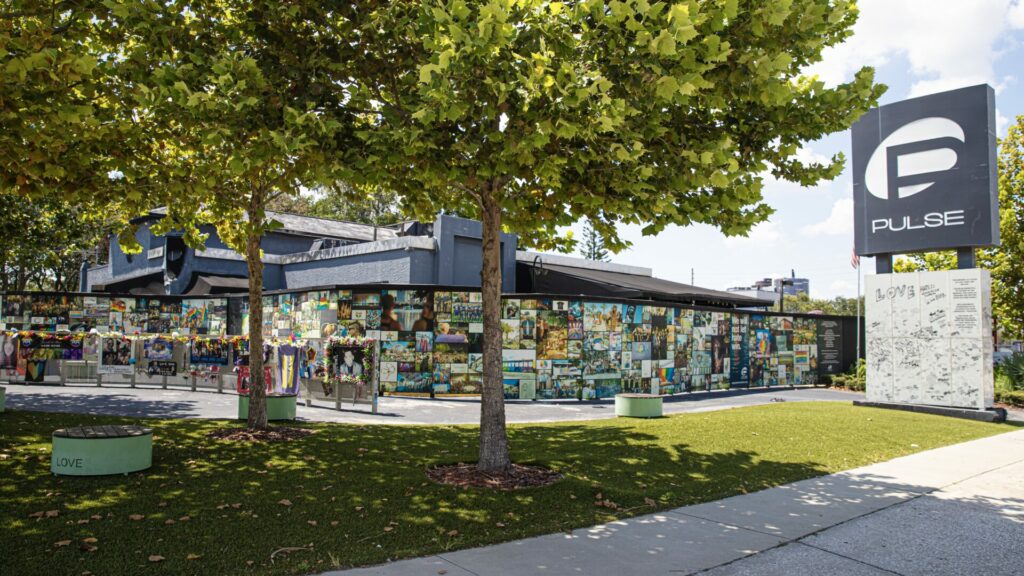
(321, 227)
(575, 275)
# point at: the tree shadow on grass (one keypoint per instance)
(367, 479)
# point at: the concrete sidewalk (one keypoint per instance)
(953, 510)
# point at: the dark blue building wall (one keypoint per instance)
(455, 260)
(459, 255)
(392, 267)
(122, 264)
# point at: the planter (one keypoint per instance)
(101, 450)
(279, 406)
(638, 405)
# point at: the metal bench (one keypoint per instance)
(100, 450)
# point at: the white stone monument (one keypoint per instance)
(929, 338)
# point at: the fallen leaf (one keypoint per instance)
(169, 521)
(135, 517)
(96, 517)
(83, 521)
(36, 515)
(249, 562)
(156, 558)
(285, 502)
(87, 548)
(334, 522)
(650, 502)
(359, 508)
(162, 504)
(453, 532)
(193, 557)
(388, 528)
(311, 522)
(499, 524)
(236, 505)
(184, 519)
(90, 540)
(52, 513)
(61, 543)
(442, 571)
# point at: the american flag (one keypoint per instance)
(854, 259)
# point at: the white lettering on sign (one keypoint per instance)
(929, 220)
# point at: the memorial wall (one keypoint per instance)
(929, 338)
(431, 340)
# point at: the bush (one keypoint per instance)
(1011, 398)
(855, 379)
(1012, 369)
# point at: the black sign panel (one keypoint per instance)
(162, 368)
(830, 347)
(924, 174)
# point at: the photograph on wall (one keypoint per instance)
(212, 351)
(159, 349)
(552, 334)
(8, 351)
(115, 356)
(510, 309)
(601, 316)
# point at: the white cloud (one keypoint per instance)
(763, 235)
(838, 222)
(1016, 15)
(842, 287)
(949, 43)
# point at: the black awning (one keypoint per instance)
(146, 285)
(558, 279)
(203, 284)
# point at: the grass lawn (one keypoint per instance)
(357, 495)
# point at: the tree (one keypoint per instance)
(839, 305)
(66, 133)
(531, 114)
(593, 244)
(44, 242)
(1005, 262)
(233, 92)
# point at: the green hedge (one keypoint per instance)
(849, 381)
(1010, 397)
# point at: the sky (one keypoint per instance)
(917, 47)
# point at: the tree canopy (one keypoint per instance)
(530, 114)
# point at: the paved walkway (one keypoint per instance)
(957, 510)
(171, 403)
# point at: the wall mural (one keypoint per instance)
(431, 341)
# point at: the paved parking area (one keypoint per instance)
(171, 403)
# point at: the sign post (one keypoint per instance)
(924, 180)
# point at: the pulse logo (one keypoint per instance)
(924, 174)
(911, 160)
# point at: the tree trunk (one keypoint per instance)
(257, 384)
(494, 456)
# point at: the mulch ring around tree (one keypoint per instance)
(269, 434)
(518, 476)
